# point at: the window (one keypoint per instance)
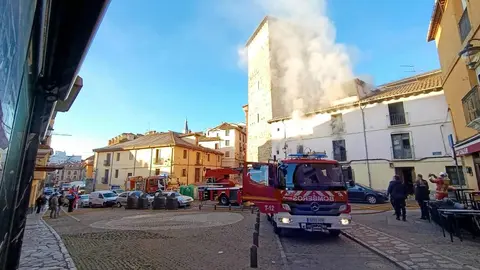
(198, 158)
(184, 172)
(258, 118)
(118, 156)
(208, 157)
(227, 154)
(339, 150)
(157, 155)
(396, 114)
(109, 156)
(216, 146)
(69, 172)
(130, 156)
(464, 25)
(227, 132)
(129, 174)
(227, 142)
(218, 158)
(184, 154)
(401, 146)
(157, 171)
(300, 149)
(336, 123)
(105, 177)
(116, 173)
(454, 177)
(74, 172)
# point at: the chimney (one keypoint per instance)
(196, 139)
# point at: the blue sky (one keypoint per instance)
(153, 63)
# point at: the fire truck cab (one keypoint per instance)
(312, 192)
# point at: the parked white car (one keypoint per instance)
(102, 198)
(84, 200)
(183, 200)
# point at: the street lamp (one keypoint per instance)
(471, 54)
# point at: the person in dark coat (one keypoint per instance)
(40, 202)
(398, 193)
(422, 194)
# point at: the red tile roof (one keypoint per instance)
(161, 139)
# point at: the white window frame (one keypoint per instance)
(464, 4)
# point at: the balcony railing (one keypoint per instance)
(464, 25)
(471, 107)
(106, 162)
(404, 153)
(397, 119)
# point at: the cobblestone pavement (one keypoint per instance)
(416, 244)
(42, 247)
(305, 250)
(147, 239)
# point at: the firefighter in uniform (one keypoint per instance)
(442, 182)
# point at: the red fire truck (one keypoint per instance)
(306, 192)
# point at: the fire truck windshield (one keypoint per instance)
(316, 176)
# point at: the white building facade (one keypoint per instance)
(230, 139)
(401, 130)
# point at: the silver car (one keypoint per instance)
(83, 201)
(183, 200)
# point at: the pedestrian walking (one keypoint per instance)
(422, 194)
(398, 192)
(54, 206)
(41, 200)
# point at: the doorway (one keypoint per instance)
(407, 174)
(197, 175)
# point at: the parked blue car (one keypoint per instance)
(363, 194)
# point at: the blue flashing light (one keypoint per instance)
(318, 155)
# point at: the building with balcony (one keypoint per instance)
(400, 128)
(454, 26)
(180, 156)
(70, 172)
(229, 138)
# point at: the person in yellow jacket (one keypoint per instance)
(442, 182)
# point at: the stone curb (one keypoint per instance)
(377, 251)
(63, 249)
(403, 266)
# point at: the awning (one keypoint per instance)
(468, 146)
(47, 168)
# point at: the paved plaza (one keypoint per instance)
(191, 239)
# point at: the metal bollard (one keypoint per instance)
(253, 257)
(230, 208)
(255, 239)
(215, 207)
(251, 209)
(257, 227)
(200, 207)
(258, 219)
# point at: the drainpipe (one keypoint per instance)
(134, 162)
(188, 163)
(111, 171)
(366, 145)
(171, 161)
(151, 160)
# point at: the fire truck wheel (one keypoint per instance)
(334, 233)
(224, 200)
